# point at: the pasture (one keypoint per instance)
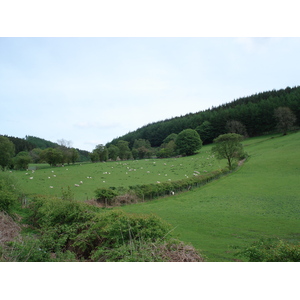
(261, 199)
(84, 179)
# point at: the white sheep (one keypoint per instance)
(76, 184)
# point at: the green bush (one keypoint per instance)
(105, 196)
(271, 250)
(49, 212)
(111, 230)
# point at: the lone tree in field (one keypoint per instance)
(285, 119)
(188, 141)
(228, 146)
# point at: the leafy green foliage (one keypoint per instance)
(188, 142)
(271, 250)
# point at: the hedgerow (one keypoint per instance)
(151, 191)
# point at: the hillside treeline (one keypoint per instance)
(255, 112)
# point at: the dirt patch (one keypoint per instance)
(180, 253)
(241, 162)
(9, 229)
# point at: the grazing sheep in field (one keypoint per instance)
(81, 182)
(172, 193)
(76, 184)
(51, 187)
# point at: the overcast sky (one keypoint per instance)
(92, 90)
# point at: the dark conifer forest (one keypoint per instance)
(255, 112)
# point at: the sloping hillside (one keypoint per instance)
(261, 199)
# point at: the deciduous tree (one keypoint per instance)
(188, 141)
(285, 119)
(22, 160)
(234, 126)
(228, 146)
(52, 156)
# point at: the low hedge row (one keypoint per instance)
(151, 191)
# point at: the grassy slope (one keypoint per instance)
(261, 199)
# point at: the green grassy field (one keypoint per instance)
(261, 199)
(50, 181)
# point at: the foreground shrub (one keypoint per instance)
(115, 229)
(47, 211)
(68, 230)
(9, 192)
(271, 250)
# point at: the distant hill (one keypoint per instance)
(40, 143)
(255, 112)
(30, 142)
